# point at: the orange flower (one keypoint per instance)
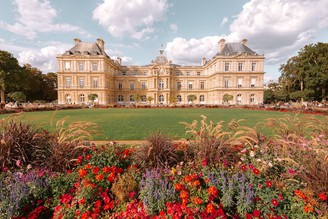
(210, 208)
(184, 195)
(308, 208)
(300, 194)
(99, 177)
(82, 172)
(106, 169)
(178, 186)
(197, 200)
(111, 177)
(195, 183)
(213, 191)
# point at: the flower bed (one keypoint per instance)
(225, 171)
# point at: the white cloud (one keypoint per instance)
(190, 52)
(224, 21)
(132, 18)
(36, 16)
(279, 28)
(174, 27)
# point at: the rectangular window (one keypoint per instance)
(177, 73)
(95, 82)
(226, 82)
(202, 85)
(190, 85)
(67, 66)
(143, 85)
(226, 66)
(131, 85)
(120, 85)
(68, 82)
(253, 82)
(124, 73)
(188, 73)
(81, 82)
(94, 67)
(240, 66)
(198, 73)
(240, 82)
(134, 73)
(179, 85)
(253, 66)
(81, 66)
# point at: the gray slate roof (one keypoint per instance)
(235, 49)
(86, 48)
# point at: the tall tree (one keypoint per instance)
(10, 73)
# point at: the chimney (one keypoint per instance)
(119, 60)
(101, 44)
(221, 44)
(244, 42)
(203, 61)
(76, 41)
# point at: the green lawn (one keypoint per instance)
(137, 124)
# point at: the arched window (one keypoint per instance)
(239, 98)
(82, 98)
(131, 98)
(143, 98)
(252, 98)
(161, 84)
(201, 98)
(120, 98)
(68, 98)
(161, 98)
(179, 98)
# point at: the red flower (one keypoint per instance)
(204, 163)
(87, 157)
(95, 170)
(322, 196)
(106, 169)
(82, 172)
(274, 202)
(66, 198)
(268, 183)
(99, 177)
(82, 201)
(256, 171)
(256, 213)
(178, 186)
(243, 167)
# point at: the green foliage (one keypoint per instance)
(227, 97)
(301, 95)
(191, 98)
(126, 184)
(150, 99)
(92, 97)
(17, 96)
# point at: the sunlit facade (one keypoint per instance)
(86, 69)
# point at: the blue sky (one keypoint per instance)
(35, 31)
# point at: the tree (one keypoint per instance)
(227, 98)
(191, 98)
(308, 70)
(150, 99)
(173, 99)
(49, 86)
(17, 96)
(92, 97)
(137, 98)
(10, 73)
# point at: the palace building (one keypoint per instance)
(235, 70)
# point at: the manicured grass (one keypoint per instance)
(137, 124)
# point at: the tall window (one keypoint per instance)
(81, 82)
(131, 98)
(161, 98)
(143, 98)
(120, 98)
(240, 82)
(179, 98)
(67, 66)
(253, 66)
(81, 66)
(226, 66)
(95, 82)
(202, 85)
(143, 85)
(253, 82)
(190, 85)
(239, 98)
(82, 98)
(68, 82)
(179, 85)
(226, 82)
(94, 66)
(161, 84)
(120, 85)
(252, 98)
(198, 73)
(240, 66)
(131, 85)
(201, 98)
(68, 98)
(124, 73)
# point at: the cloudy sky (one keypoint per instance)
(36, 30)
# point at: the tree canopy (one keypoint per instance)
(307, 73)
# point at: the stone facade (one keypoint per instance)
(86, 69)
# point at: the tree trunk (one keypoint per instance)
(301, 85)
(323, 92)
(2, 96)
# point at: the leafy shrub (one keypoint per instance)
(126, 185)
(158, 152)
